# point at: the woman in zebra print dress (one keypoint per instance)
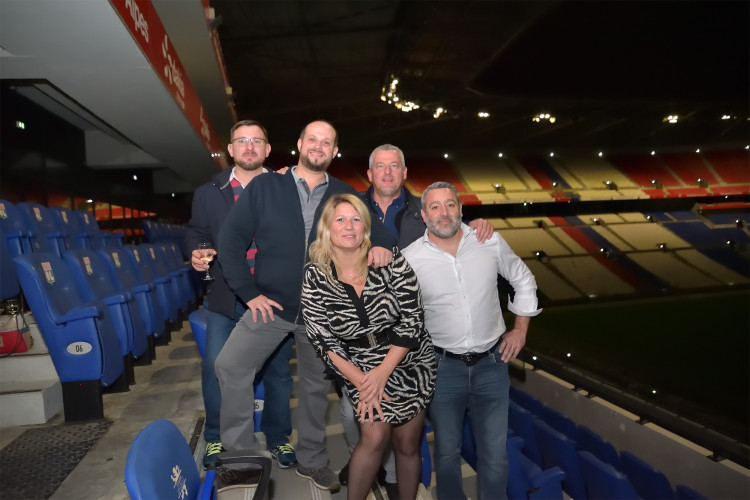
(368, 326)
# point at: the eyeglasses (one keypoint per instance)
(255, 141)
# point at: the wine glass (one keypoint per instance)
(207, 255)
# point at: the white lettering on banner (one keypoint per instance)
(141, 26)
(204, 128)
(171, 71)
(79, 348)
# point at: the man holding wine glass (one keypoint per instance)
(249, 148)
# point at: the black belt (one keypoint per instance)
(369, 340)
(470, 358)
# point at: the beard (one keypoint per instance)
(249, 165)
(442, 231)
(320, 166)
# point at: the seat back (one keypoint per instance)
(525, 400)
(649, 482)
(558, 421)
(559, 451)
(165, 296)
(127, 276)
(71, 227)
(15, 229)
(96, 238)
(160, 264)
(521, 421)
(603, 481)
(9, 286)
(80, 338)
(594, 443)
(688, 493)
(161, 465)
(197, 321)
(45, 237)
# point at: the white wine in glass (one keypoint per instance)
(207, 255)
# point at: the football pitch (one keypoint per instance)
(692, 350)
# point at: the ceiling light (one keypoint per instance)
(671, 119)
(552, 154)
(601, 154)
(338, 155)
(135, 177)
(725, 117)
(499, 155)
(544, 117)
(483, 114)
(293, 152)
(20, 125)
(653, 153)
(698, 150)
(445, 156)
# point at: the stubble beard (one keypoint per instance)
(249, 166)
(312, 166)
(441, 232)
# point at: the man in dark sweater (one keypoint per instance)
(281, 212)
(249, 148)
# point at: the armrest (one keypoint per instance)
(256, 457)
(117, 298)
(142, 288)
(207, 488)
(83, 312)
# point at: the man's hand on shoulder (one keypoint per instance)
(483, 228)
(379, 257)
(282, 170)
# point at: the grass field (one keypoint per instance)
(693, 350)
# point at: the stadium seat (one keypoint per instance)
(559, 451)
(594, 443)
(197, 320)
(97, 238)
(688, 493)
(603, 481)
(9, 286)
(649, 482)
(526, 480)
(94, 281)
(126, 276)
(558, 421)
(71, 227)
(45, 237)
(79, 335)
(15, 230)
(161, 466)
(164, 291)
(522, 423)
(525, 400)
(156, 258)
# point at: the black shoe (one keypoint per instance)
(344, 475)
(392, 490)
(227, 478)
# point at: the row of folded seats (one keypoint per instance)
(29, 226)
(100, 311)
(553, 448)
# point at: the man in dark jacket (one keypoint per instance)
(211, 203)
(281, 213)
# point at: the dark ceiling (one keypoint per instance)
(608, 71)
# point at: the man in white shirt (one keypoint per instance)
(458, 278)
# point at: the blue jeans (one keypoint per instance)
(483, 390)
(277, 378)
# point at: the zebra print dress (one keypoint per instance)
(391, 300)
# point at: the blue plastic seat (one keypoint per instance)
(45, 236)
(155, 257)
(71, 228)
(522, 423)
(594, 443)
(526, 480)
(162, 284)
(558, 421)
(79, 335)
(94, 281)
(649, 482)
(525, 400)
(603, 481)
(126, 276)
(161, 466)
(15, 230)
(559, 451)
(97, 239)
(688, 493)
(9, 286)
(179, 270)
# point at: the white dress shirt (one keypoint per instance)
(461, 301)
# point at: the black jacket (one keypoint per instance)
(211, 204)
(269, 211)
(409, 223)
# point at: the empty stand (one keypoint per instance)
(733, 167)
(642, 169)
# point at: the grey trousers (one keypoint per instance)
(244, 353)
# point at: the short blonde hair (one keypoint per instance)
(321, 250)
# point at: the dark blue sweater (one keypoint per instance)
(269, 211)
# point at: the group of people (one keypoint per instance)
(393, 298)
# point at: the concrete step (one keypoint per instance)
(30, 390)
